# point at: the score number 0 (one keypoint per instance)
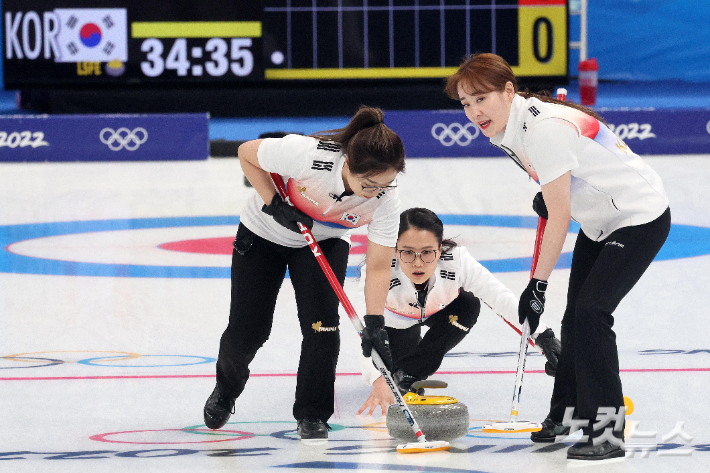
(177, 59)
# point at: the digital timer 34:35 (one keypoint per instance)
(214, 57)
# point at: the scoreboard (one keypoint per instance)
(172, 42)
(390, 39)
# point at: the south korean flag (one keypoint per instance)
(92, 34)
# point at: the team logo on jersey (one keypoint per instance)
(322, 165)
(447, 257)
(302, 191)
(394, 283)
(622, 146)
(450, 275)
(318, 327)
(329, 146)
(350, 218)
(453, 321)
(534, 111)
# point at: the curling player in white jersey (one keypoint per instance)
(588, 174)
(436, 283)
(337, 181)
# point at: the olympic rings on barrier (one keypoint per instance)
(102, 361)
(455, 133)
(123, 138)
(102, 437)
(707, 127)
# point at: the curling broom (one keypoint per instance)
(422, 444)
(515, 426)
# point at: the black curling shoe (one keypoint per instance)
(589, 451)
(312, 428)
(550, 430)
(218, 409)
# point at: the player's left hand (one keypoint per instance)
(379, 396)
(532, 303)
(551, 347)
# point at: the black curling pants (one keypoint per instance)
(258, 269)
(602, 274)
(421, 357)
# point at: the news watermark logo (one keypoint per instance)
(633, 440)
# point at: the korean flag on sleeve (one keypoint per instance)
(91, 34)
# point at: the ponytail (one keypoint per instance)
(486, 72)
(371, 146)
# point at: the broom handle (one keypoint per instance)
(350, 310)
(522, 354)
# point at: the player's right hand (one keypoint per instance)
(379, 396)
(375, 336)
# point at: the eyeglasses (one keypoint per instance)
(409, 256)
(375, 188)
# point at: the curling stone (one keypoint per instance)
(439, 417)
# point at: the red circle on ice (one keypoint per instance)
(208, 246)
(223, 245)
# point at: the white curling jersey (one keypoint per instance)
(312, 170)
(611, 186)
(456, 270)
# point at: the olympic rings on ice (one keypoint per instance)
(123, 138)
(455, 133)
(239, 436)
(106, 359)
(174, 436)
(50, 362)
(96, 361)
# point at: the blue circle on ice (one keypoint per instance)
(684, 241)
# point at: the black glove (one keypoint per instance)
(286, 215)
(552, 348)
(532, 303)
(374, 336)
(539, 205)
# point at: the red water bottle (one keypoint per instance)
(588, 76)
